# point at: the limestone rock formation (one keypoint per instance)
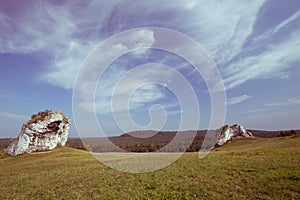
(229, 132)
(44, 131)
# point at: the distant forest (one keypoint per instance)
(138, 141)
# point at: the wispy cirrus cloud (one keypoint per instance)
(225, 30)
(67, 63)
(269, 56)
(22, 32)
(118, 81)
(273, 63)
(274, 105)
(238, 99)
(68, 30)
(277, 120)
(68, 34)
(14, 116)
(258, 110)
(278, 28)
(289, 102)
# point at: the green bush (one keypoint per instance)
(285, 133)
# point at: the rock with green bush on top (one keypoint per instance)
(44, 131)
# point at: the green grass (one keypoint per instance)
(244, 169)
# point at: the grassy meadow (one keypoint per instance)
(259, 168)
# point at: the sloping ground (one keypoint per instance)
(244, 169)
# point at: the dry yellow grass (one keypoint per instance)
(244, 169)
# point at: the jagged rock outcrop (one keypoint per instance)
(44, 131)
(229, 132)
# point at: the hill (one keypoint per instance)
(150, 141)
(259, 168)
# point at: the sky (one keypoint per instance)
(46, 48)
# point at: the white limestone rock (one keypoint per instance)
(44, 131)
(229, 132)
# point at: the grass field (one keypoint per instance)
(260, 168)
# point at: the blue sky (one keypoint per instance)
(254, 44)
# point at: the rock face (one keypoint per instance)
(229, 132)
(44, 131)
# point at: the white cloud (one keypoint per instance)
(294, 101)
(171, 105)
(272, 63)
(223, 28)
(63, 31)
(272, 106)
(189, 4)
(175, 112)
(69, 31)
(39, 26)
(68, 34)
(279, 27)
(238, 99)
(147, 93)
(291, 101)
(14, 116)
(117, 81)
(67, 64)
(258, 110)
(273, 120)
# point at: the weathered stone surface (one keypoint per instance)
(229, 132)
(44, 131)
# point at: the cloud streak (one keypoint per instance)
(118, 81)
(289, 102)
(66, 31)
(278, 28)
(238, 99)
(69, 34)
(273, 63)
(14, 116)
(62, 28)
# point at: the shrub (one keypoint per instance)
(285, 133)
(40, 116)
